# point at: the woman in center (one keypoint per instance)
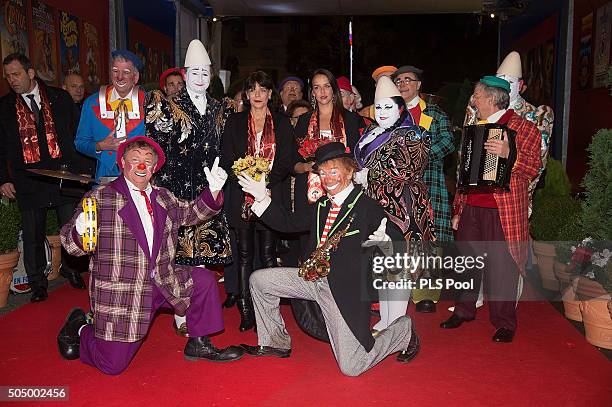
(328, 122)
(258, 131)
(393, 154)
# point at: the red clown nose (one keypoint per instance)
(141, 166)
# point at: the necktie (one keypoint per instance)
(149, 207)
(35, 109)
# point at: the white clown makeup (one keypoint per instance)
(197, 78)
(387, 112)
(138, 166)
(515, 86)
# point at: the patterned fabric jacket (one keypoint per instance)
(442, 144)
(191, 142)
(120, 288)
(543, 117)
(513, 206)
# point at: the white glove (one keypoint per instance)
(381, 239)
(257, 189)
(361, 177)
(215, 176)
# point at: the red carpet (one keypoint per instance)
(548, 364)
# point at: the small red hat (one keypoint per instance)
(161, 157)
(345, 84)
(164, 75)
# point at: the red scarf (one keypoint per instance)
(313, 140)
(26, 123)
(267, 150)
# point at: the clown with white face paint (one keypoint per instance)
(189, 129)
(393, 157)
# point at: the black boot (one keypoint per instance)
(230, 300)
(68, 339)
(200, 348)
(247, 315)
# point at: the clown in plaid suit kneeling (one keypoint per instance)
(132, 272)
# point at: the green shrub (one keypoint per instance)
(596, 216)
(10, 224)
(52, 223)
(551, 215)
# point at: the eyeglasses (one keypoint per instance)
(406, 81)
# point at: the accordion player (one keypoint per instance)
(479, 170)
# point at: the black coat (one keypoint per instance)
(234, 146)
(350, 278)
(35, 191)
(353, 124)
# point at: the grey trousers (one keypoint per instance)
(269, 285)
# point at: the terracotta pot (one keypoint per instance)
(56, 256)
(610, 308)
(597, 322)
(571, 305)
(587, 289)
(565, 278)
(546, 254)
(8, 262)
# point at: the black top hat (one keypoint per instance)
(330, 151)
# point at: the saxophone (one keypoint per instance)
(317, 265)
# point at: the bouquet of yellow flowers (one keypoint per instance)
(251, 166)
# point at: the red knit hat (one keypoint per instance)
(344, 83)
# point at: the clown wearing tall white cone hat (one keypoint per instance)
(189, 127)
(392, 174)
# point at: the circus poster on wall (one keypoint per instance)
(14, 29)
(44, 51)
(91, 69)
(69, 44)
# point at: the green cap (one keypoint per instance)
(496, 82)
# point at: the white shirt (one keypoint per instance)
(115, 96)
(413, 102)
(143, 213)
(496, 116)
(36, 93)
(199, 100)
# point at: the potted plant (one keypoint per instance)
(10, 219)
(553, 208)
(568, 237)
(595, 283)
(55, 243)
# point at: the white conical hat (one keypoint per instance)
(196, 54)
(511, 65)
(385, 88)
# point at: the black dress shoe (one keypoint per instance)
(200, 348)
(74, 278)
(426, 306)
(68, 339)
(266, 351)
(504, 335)
(39, 294)
(454, 321)
(412, 349)
(230, 300)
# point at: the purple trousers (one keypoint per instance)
(480, 231)
(203, 318)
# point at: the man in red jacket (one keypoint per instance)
(497, 221)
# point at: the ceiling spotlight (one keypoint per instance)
(215, 19)
(492, 15)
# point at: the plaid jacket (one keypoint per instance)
(120, 288)
(513, 206)
(441, 145)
